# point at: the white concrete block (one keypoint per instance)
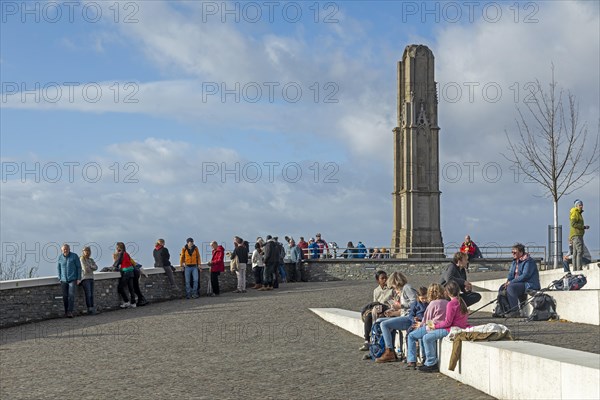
(581, 306)
(347, 320)
(507, 369)
(591, 272)
(525, 370)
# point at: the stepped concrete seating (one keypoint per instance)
(582, 306)
(507, 369)
(591, 272)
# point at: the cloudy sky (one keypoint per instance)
(129, 121)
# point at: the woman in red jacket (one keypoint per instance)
(217, 265)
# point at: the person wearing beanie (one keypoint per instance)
(576, 233)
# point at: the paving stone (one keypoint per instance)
(256, 345)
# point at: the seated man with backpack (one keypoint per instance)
(522, 276)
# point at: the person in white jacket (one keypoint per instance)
(258, 265)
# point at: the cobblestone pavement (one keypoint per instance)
(264, 345)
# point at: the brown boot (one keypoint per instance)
(257, 286)
(388, 355)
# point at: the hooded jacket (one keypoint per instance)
(217, 264)
(190, 257)
(576, 222)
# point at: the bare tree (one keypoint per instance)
(552, 147)
(14, 269)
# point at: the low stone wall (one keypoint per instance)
(37, 299)
(323, 270)
(30, 300)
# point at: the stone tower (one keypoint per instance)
(416, 196)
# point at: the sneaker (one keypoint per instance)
(70, 315)
(195, 296)
(411, 366)
(244, 291)
(364, 347)
(366, 356)
(125, 305)
(142, 303)
(237, 291)
(133, 305)
(429, 368)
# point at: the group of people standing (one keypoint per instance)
(76, 271)
(190, 260)
(268, 259)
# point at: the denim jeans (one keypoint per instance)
(88, 289)
(412, 339)
(68, 291)
(514, 292)
(191, 274)
(282, 273)
(389, 324)
(430, 341)
(430, 352)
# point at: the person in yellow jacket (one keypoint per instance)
(190, 261)
(576, 233)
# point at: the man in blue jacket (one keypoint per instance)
(523, 275)
(69, 275)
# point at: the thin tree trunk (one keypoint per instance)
(555, 203)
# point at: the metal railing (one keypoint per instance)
(488, 252)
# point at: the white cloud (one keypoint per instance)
(174, 199)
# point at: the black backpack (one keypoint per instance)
(544, 308)
(502, 305)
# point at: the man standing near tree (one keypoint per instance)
(576, 233)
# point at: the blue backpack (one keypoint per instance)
(376, 342)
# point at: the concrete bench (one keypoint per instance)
(582, 306)
(591, 272)
(507, 369)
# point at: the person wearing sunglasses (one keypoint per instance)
(522, 276)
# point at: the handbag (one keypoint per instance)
(234, 264)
